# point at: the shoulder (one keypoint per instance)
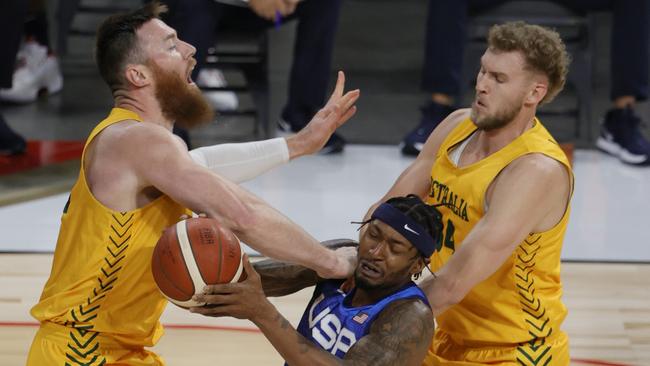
(540, 166)
(453, 120)
(441, 132)
(401, 334)
(405, 314)
(141, 138)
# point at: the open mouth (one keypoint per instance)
(189, 74)
(370, 270)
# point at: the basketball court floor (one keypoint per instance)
(606, 251)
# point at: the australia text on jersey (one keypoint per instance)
(446, 197)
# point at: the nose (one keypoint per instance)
(377, 250)
(190, 50)
(481, 85)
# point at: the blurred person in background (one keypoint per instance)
(446, 36)
(199, 21)
(12, 14)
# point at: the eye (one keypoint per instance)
(398, 248)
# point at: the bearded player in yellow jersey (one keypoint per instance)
(100, 305)
(503, 186)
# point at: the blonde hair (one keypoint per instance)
(542, 48)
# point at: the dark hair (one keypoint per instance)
(542, 48)
(117, 42)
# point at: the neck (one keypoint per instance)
(363, 297)
(489, 142)
(143, 103)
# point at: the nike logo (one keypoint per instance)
(406, 226)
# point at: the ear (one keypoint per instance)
(138, 75)
(537, 93)
(417, 266)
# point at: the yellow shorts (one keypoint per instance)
(553, 350)
(58, 345)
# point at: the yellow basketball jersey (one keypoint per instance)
(101, 278)
(520, 303)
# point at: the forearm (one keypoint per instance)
(281, 278)
(292, 346)
(254, 221)
(483, 251)
(275, 236)
(439, 293)
(243, 161)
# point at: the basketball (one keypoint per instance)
(194, 253)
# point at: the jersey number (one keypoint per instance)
(448, 241)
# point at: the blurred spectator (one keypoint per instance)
(620, 134)
(198, 22)
(12, 15)
(37, 68)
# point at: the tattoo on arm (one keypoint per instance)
(280, 278)
(400, 335)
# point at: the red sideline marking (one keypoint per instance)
(597, 362)
(255, 330)
(40, 153)
(170, 326)
(212, 327)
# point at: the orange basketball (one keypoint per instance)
(194, 253)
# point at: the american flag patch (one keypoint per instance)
(360, 318)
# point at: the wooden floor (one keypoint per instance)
(608, 322)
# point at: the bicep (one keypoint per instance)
(163, 162)
(401, 334)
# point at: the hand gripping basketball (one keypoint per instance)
(194, 253)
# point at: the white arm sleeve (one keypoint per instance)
(241, 162)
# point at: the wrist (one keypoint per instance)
(266, 313)
(332, 266)
(295, 145)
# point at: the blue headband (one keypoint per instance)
(406, 226)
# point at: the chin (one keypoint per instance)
(365, 283)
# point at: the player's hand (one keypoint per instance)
(243, 300)
(346, 263)
(267, 8)
(339, 108)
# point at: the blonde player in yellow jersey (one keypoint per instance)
(100, 305)
(503, 186)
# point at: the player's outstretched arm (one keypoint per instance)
(400, 335)
(281, 278)
(160, 160)
(240, 162)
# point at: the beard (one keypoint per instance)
(363, 284)
(499, 119)
(180, 102)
